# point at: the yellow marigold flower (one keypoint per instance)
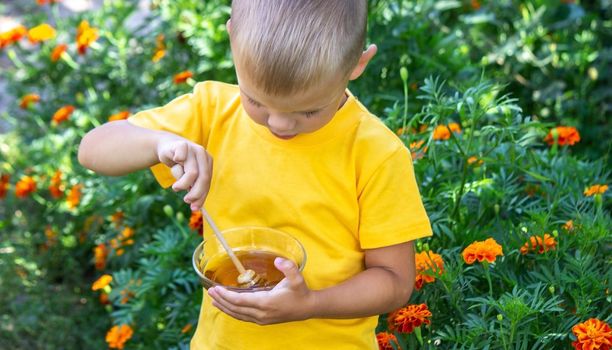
(58, 51)
(195, 221)
(119, 116)
(406, 319)
(62, 114)
(595, 189)
(592, 334)
(187, 328)
(100, 254)
(160, 48)
(429, 265)
(86, 35)
(4, 184)
(40, 33)
(182, 77)
(102, 282)
(482, 250)
(28, 99)
(55, 188)
(12, 35)
(25, 186)
(566, 135)
(118, 335)
(443, 132)
(387, 341)
(475, 161)
(539, 244)
(74, 196)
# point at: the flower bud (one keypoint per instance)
(168, 210)
(404, 73)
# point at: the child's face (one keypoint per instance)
(289, 116)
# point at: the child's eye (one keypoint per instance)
(253, 102)
(310, 114)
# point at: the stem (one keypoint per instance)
(405, 106)
(485, 265)
(503, 336)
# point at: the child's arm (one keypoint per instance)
(385, 284)
(119, 148)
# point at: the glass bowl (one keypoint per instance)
(255, 247)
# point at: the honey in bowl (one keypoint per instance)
(223, 271)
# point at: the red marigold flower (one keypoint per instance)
(595, 189)
(42, 32)
(482, 250)
(118, 335)
(443, 132)
(195, 221)
(429, 265)
(592, 334)
(100, 254)
(566, 135)
(62, 114)
(55, 188)
(58, 51)
(385, 341)
(25, 186)
(539, 244)
(119, 116)
(102, 282)
(28, 99)
(182, 77)
(86, 35)
(12, 35)
(74, 196)
(4, 184)
(406, 319)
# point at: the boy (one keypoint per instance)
(295, 151)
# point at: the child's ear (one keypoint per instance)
(228, 25)
(366, 56)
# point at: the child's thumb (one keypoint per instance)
(290, 270)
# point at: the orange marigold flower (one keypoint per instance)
(592, 334)
(25, 186)
(118, 335)
(85, 36)
(429, 265)
(406, 319)
(58, 51)
(475, 4)
(119, 116)
(51, 237)
(417, 151)
(443, 132)
(74, 196)
(187, 328)
(42, 32)
(195, 221)
(386, 341)
(55, 188)
(28, 99)
(566, 135)
(100, 254)
(539, 244)
(182, 77)
(595, 189)
(102, 282)
(12, 35)
(569, 225)
(473, 160)
(104, 299)
(62, 114)
(126, 296)
(160, 48)
(487, 250)
(4, 184)
(43, 2)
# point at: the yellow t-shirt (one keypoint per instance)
(346, 187)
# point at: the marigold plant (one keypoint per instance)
(539, 244)
(118, 336)
(429, 265)
(487, 250)
(406, 319)
(592, 334)
(595, 189)
(565, 135)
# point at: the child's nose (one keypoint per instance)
(280, 123)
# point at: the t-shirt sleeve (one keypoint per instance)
(183, 116)
(391, 209)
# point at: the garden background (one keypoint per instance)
(504, 105)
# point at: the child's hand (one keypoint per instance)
(191, 166)
(289, 300)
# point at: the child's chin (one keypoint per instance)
(284, 137)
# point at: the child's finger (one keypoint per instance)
(181, 152)
(245, 311)
(200, 188)
(191, 173)
(291, 272)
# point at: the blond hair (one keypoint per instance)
(287, 46)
